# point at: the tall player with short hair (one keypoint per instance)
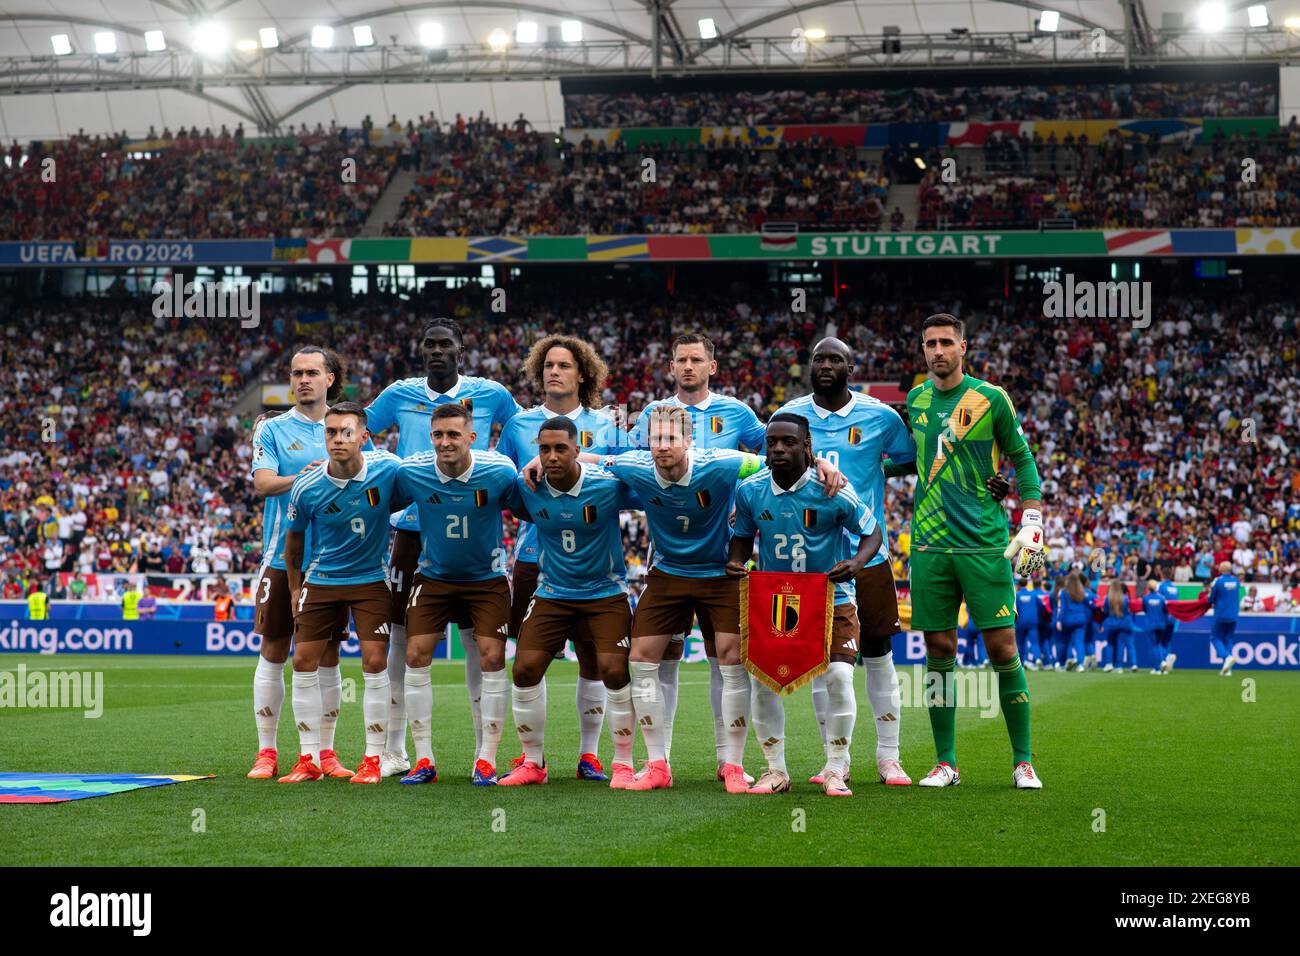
(855, 432)
(717, 422)
(799, 530)
(459, 493)
(571, 376)
(284, 447)
(409, 404)
(581, 593)
(346, 505)
(962, 425)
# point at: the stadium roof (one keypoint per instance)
(33, 22)
(384, 68)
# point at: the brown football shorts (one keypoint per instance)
(877, 602)
(548, 623)
(319, 606)
(523, 585)
(482, 605)
(670, 602)
(402, 564)
(844, 631)
(273, 614)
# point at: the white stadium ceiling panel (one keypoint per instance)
(470, 23)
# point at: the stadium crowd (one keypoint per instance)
(1171, 446)
(501, 183)
(1120, 183)
(191, 185)
(921, 104)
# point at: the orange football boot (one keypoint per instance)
(369, 771)
(303, 771)
(266, 765)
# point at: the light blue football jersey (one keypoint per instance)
(801, 529)
(409, 404)
(580, 544)
(285, 445)
(348, 520)
(461, 516)
(719, 421)
(854, 439)
(597, 434)
(689, 519)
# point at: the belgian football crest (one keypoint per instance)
(373, 496)
(703, 497)
(855, 435)
(716, 424)
(785, 612)
(810, 518)
(586, 439)
(480, 497)
(589, 514)
(785, 627)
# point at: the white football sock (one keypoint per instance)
(648, 704)
(715, 701)
(591, 713)
(769, 725)
(473, 681)
(306, 712)
(886, 704)
(735, 710)
(841, 715)
(495, 697)
(375, 705)
(395, 715)
(419, 708)
(268, 698)
(331, 696)
(622, 724)
(668, 671)
(530, 720)
(820, 706)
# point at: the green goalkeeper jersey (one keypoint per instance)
(960, 435)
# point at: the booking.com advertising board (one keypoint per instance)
(1262, 641)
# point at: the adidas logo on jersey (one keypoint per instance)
(766, 516)
(922, 419)
(434, 499)
(1003, 612)
(332, 509)
(296, 446)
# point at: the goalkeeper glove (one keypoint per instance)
(1026, 551)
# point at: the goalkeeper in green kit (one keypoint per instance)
(961, 426)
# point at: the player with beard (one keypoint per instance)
(409, 403)
(284, 447)
(962, 426)
(717, 422)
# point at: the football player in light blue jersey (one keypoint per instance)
(1225, 600)
(571, 376)
(284, 447)
(718, 421)
(688, 495)
(855, 432)
(346, 504)
(459, 491)
(800, 530)
(409, 403)
(581, 590)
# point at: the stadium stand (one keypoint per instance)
(920, 104)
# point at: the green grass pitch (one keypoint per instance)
(1185, 771)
